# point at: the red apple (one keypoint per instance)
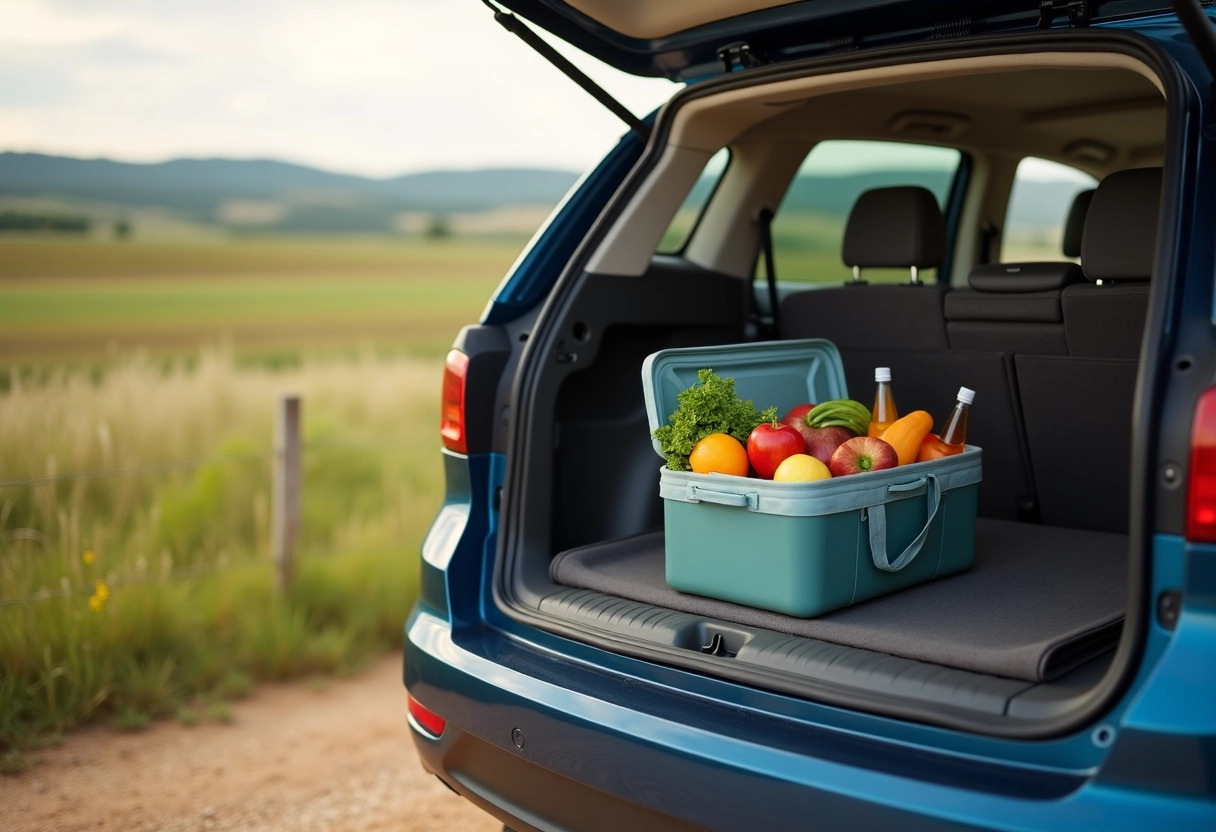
(796, 419)
(769, 445)
(797, 415)
(861, 454)
(821, 443)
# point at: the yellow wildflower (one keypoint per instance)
(88, 557)
(96, 604)
(102, 591)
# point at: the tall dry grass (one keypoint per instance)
(145, 593)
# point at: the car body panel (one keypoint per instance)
(536, 269)
(679, 748)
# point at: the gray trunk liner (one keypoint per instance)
(1040, 601)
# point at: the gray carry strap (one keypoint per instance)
(878, 524)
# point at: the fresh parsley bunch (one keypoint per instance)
(705, 408)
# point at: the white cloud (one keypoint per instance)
(31, 22)
(371, 86)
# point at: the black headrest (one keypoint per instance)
(1074, 226)
(1121, 229)
(1023, 277)
(895, 228)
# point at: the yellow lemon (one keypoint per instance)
(801, 468)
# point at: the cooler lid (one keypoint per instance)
(770, 373)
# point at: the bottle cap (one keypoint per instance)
(882, 373)
(966, 395)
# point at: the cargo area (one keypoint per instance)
(1051, 348)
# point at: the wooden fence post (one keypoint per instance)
(285, 509)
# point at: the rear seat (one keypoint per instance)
(887, 228)
(1105, 318)
(1074, 226)
(1015, 307)
(903, 327)
(1077, 409)
(1011, 307)
(1053, 360)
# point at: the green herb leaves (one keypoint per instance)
(705, 408)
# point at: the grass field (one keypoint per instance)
(133, 596)
(83, 300)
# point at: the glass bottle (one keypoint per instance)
(884, 412)
(955, 431)
(953, 438)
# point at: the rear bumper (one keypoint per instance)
(602, 750)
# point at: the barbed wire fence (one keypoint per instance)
(284, 455)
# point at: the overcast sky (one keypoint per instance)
(377, 87)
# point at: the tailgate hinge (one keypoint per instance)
(1078, 12)
(739, 56)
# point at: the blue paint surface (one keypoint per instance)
(717, 753)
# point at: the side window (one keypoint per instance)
(686, 218)
(1043, 193)
(809, 226)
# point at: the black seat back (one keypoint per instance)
(1074, 226)
(1011, 307)
(1078, 409)
(887, 228)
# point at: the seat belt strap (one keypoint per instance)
(764, 221)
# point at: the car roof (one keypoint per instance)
(689, 39)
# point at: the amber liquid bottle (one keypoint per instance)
(954, 433)
(884, 412)
(953, 438)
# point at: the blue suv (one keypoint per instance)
(1068, 679)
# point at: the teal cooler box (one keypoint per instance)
(803, 548)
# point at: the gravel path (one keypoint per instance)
(296, 757)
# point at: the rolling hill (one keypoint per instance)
(269, 195)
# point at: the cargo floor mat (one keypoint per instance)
(1040, 600)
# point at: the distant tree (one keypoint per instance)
(122, 229)
(438, 228)
(18, 221)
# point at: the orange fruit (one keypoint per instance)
(719, 453)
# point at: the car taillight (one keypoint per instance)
(451, 422)
(1201, 484)
(430, 721)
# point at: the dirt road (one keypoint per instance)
(336, 757)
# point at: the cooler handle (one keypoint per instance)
(878, 524)
(697, 494)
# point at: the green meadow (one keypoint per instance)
(137, 393)
(87, 301)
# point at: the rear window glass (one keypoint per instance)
(1043, 193)
(686, 218)
(809, 226)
